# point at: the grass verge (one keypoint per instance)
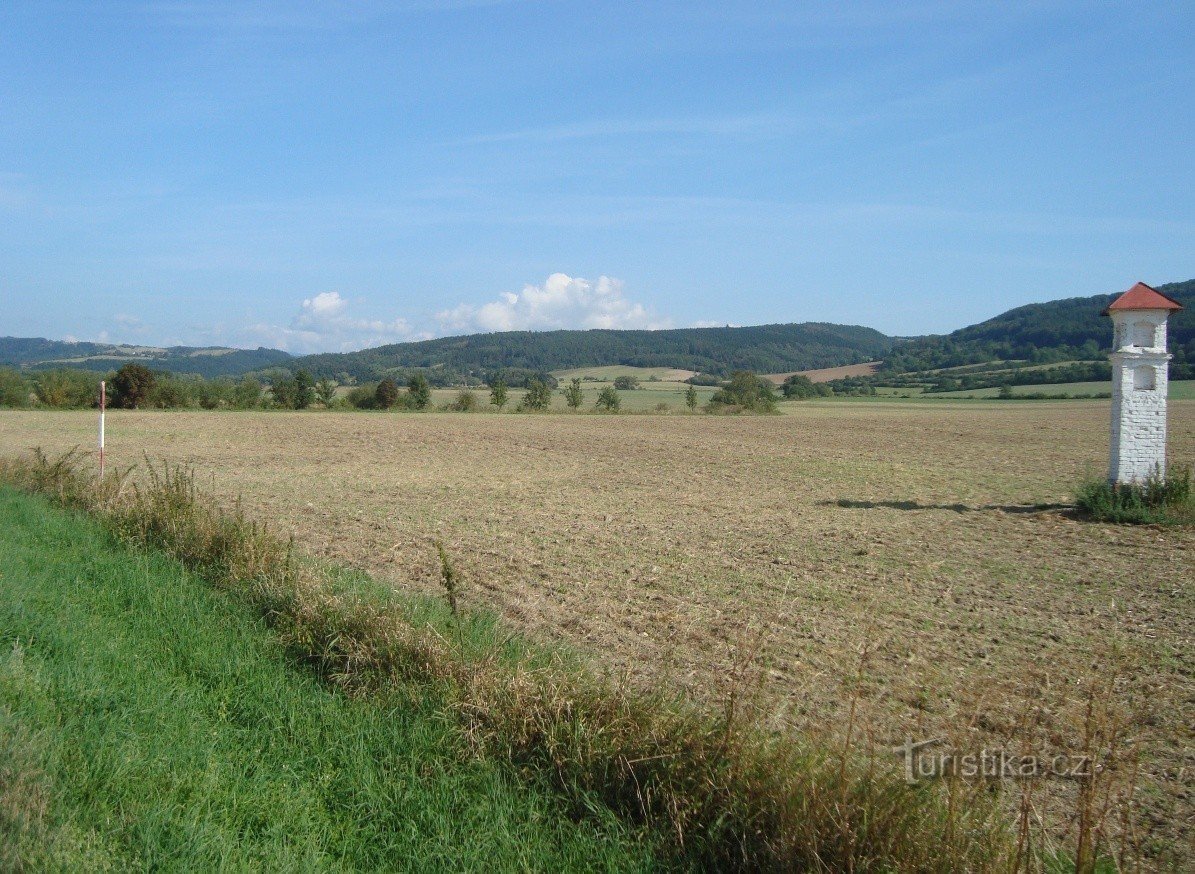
(719, 790)
(148, 722)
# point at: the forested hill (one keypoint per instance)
(764, 349)
(37, 353)
(1059, 330)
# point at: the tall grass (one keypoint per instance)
(721, 790)
(1159, 500)
(148, 722)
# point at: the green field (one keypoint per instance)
(148, 722)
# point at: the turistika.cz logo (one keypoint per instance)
(923, 763)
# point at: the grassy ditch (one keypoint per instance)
(715, 788)
(148, 722)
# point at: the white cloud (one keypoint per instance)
(323, 324)
(561, 302)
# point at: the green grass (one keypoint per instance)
(147, 720)
(1183, 390)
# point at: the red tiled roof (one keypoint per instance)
(1142, 297)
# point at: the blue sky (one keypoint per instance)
(333, 175)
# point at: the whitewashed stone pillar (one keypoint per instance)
(1140, 366)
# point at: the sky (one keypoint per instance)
(331, 176)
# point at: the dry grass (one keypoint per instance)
(826, 374)
(671, 545)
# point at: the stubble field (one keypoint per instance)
(891, 560)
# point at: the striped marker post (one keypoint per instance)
(103, 406)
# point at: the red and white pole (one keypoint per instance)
(103, 406)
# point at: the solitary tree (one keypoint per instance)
(746, 391)
(691, 398)
(304, 390)
(325, 392)
(609, 400)
(573, 396)
(498, 394)
(421, 393)
(386, 394)
(538, 397)
(626, 382)
(132, 385)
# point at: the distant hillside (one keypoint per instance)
(766, 349)
(37, 353)
(1059, 330)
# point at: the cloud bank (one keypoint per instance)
(324, 325)
(561, 302)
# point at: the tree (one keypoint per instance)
(325, 392)
(746, 391)
(284, 389)
(386, 394)
(247, 394)
(466, 402)
(802, 387)
(573, 396)
(626, 382)
(14, 392)
(691, 398)
(538, 397)
(609, 400)
(498, 394)
(66, 388)
(421, 393)
(304, 390)
(132, 386)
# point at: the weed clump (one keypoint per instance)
(1159, 500)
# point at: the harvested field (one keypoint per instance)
(826, 374)
(670, 546)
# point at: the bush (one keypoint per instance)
(1160, 500)
(466, 402)
(385, 395)
(65, 389)
(538, 397)
(14, 391)
(626, 383)
(247, 394)
(132, 386)
(800, 388)
(419, 392)
(609, 400)
(573, 395)
(171, 392)
(745, 391)
(325, 392)
(498, 394)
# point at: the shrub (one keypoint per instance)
(304, 390)
(573, 395)
(498, 394)
(420, 393)
(284, 389)
(609, 400)
(466, 402)
(325, 392)
(171, 392)
(133, 386)
(247, 393)
(626, 382)
(801, 387)
(67, 388)
(1162, 500)
(385, 395)
(744, 391)
(14, 391)
(212, 394)
(538, 397)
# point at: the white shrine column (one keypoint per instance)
(1140, 367)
